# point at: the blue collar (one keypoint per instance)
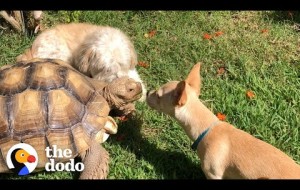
(203, 134)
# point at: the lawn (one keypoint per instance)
(254, 52)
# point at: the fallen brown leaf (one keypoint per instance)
(143, 64)
(219, 33)
(221, 71)
(264, 31)
(250, 94)
(207, 36)
(152, 33)
(221, 116)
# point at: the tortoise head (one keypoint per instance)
(122, 91)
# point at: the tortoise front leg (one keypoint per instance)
(95, 162)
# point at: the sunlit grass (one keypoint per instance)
(259, 51)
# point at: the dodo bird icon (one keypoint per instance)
(22, 159)
(19, 157)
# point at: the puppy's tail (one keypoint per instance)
(27, 55)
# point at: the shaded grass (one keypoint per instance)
(152, 145)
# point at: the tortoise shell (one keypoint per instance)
(45, 103)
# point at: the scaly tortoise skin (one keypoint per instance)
(43, 102)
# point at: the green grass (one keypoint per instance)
(153, 145)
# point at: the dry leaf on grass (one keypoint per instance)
(264, 31)
(221, 116)
(221, 71)
(143, 64)
(250, 94)
(207, 36)
(150, 34)
(219, 33)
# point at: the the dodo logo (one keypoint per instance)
(22, 159)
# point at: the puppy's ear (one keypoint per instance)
(180, 94)
(193, 79)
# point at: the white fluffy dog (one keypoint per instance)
(101, 52)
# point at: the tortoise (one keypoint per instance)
(44, 102)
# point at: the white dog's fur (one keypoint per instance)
(101, 52)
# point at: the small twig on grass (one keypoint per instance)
(18, 15)
(3, 28)
(11, 21)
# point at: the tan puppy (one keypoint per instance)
(225, 151)
(101, 52)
